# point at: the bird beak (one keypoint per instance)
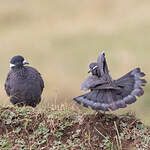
(25, 63)
(89, 71)
(12, 65)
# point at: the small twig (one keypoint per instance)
(117, 141)
(132, 123)
(106, 138)
(100, 133)
(118, 136)
(89, 139)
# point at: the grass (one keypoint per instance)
(66, 129)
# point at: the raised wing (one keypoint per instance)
(102, 64)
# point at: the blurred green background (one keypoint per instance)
(61, 38)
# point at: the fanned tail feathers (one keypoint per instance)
(111, 99)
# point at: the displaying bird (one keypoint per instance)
(24, 84)
(108, 94)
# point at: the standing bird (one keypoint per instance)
(108, 94)
(24, 84)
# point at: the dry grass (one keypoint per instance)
(62, 38)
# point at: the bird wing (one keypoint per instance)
(91, 82)
(102, 64)
(94, 82)
(38, 75)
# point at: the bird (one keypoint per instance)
(24, 84)
(107, 94)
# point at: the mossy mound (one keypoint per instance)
(64, 129)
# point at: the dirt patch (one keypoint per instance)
(24, 128)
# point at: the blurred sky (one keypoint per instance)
(61, 38)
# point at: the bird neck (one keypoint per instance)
(21, 72)
(20, 67)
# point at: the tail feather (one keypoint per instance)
(137, 92)
(129, 99)
(111, 99)
(95, 104)
(131, 83)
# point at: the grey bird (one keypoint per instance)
(107, 94)
(24, 84)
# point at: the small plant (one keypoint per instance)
(106, 143)
(8, 115)
(64, 123)
(5, 143)
(17, 130)
(24, 111)
(42, 130)
(76, 133)
(58, 134)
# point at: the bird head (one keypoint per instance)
(93, 68)
(100, 67)
(17, 62)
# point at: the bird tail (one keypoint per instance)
(131, 85)
(96, 99)
(112, 99)
(104, 99)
